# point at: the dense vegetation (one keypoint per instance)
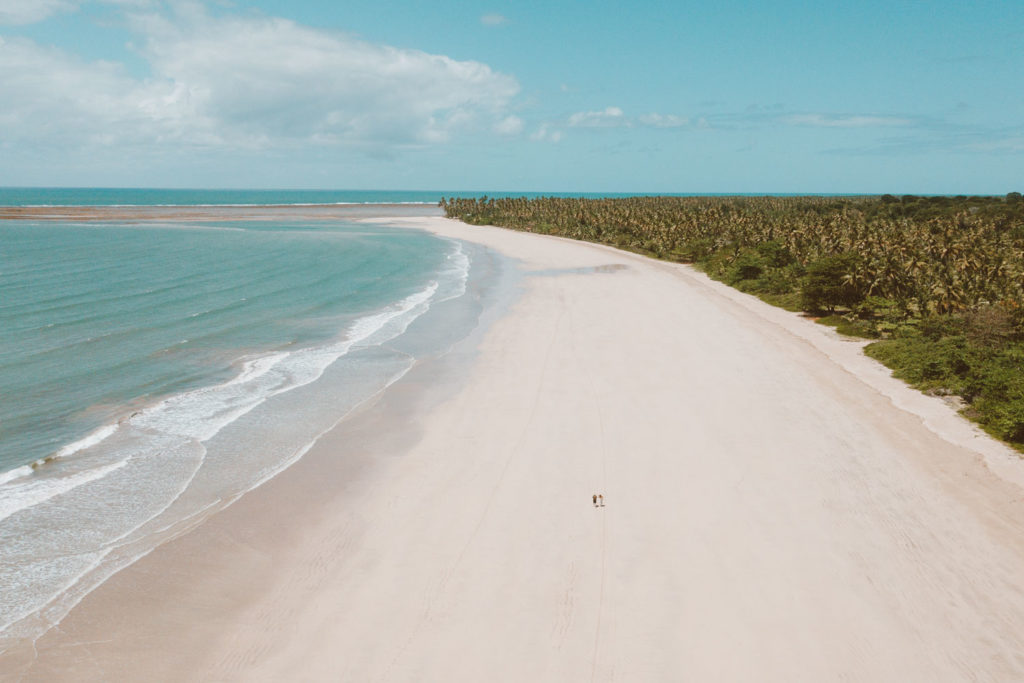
(939, 281)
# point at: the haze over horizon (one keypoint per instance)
(896, 97)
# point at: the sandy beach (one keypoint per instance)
(776, 508)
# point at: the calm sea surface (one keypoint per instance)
(151, 373)
(84, 196)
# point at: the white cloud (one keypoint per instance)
(611, 117)
(664, 120)
(614, 117)
(247, 82)
(493, 20)
(20, 12)
(50, 96)
(848, 121)
(546, 133)
(274, 77)
(510, 125)
(30, 11)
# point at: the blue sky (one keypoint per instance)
(898, 96)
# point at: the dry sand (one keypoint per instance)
(777, 508)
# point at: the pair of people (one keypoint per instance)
(598, 497)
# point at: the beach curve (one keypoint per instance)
(775, 509)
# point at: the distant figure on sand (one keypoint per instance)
(601, 498)
(595, 500)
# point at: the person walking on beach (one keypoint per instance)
(601, 498)
(595, 500)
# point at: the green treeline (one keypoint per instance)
(938, 281)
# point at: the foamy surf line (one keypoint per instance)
(93, 438)
(200, 414)
(72, 582)
(164, 445)
(36, 491)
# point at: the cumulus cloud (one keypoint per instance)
(611, 117)
(614, 117)
(510, 125)
(20, 12)
(664, 120)
(274, 77)
(546, 133)
(247, 81)
(845, 121)
(50, 95)
(30, 11)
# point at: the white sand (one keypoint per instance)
(777, 509)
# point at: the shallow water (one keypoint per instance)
(154, 373)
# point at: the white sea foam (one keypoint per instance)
(256, 367)
(201, 414)
(271, 472)
(19, 491)
(26, 604)
(367, 326)
(93, 438)
(459, 270)
(35, 491)
(16, 473)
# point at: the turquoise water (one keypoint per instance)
(152, 373)
(95, 318)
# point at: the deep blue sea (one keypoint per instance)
(152, 372)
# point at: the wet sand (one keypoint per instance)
(777, 508)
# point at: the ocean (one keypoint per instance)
(154, 372)
(76, 196)
(112, 196)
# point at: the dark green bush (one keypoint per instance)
(748, 265)
(830, 283)
(775, 253)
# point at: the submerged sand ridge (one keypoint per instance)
(776, 509)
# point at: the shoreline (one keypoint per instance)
(807, 510)
(237, 455)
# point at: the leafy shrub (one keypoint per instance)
(830, 283)
(989, 326)
(935, 327)
(748, 265)
(775, 253)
